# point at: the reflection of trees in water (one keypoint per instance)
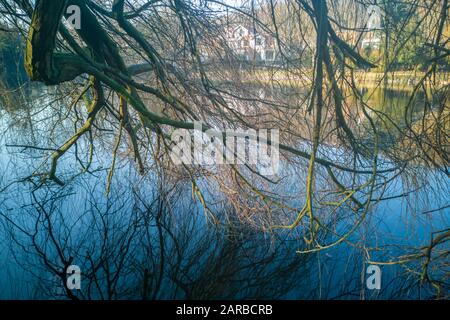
(155, 243)
(147, 245)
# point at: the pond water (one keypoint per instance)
(149, 238)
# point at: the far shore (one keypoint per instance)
(367, 78)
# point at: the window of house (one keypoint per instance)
(258, 41)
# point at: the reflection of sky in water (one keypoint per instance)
(399, 221)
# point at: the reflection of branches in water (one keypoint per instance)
(148, 247)
(140, 72)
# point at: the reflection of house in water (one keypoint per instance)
(249, 45)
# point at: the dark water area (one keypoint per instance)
(149, 238)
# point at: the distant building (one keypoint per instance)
(372, 38)
(250, 45)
